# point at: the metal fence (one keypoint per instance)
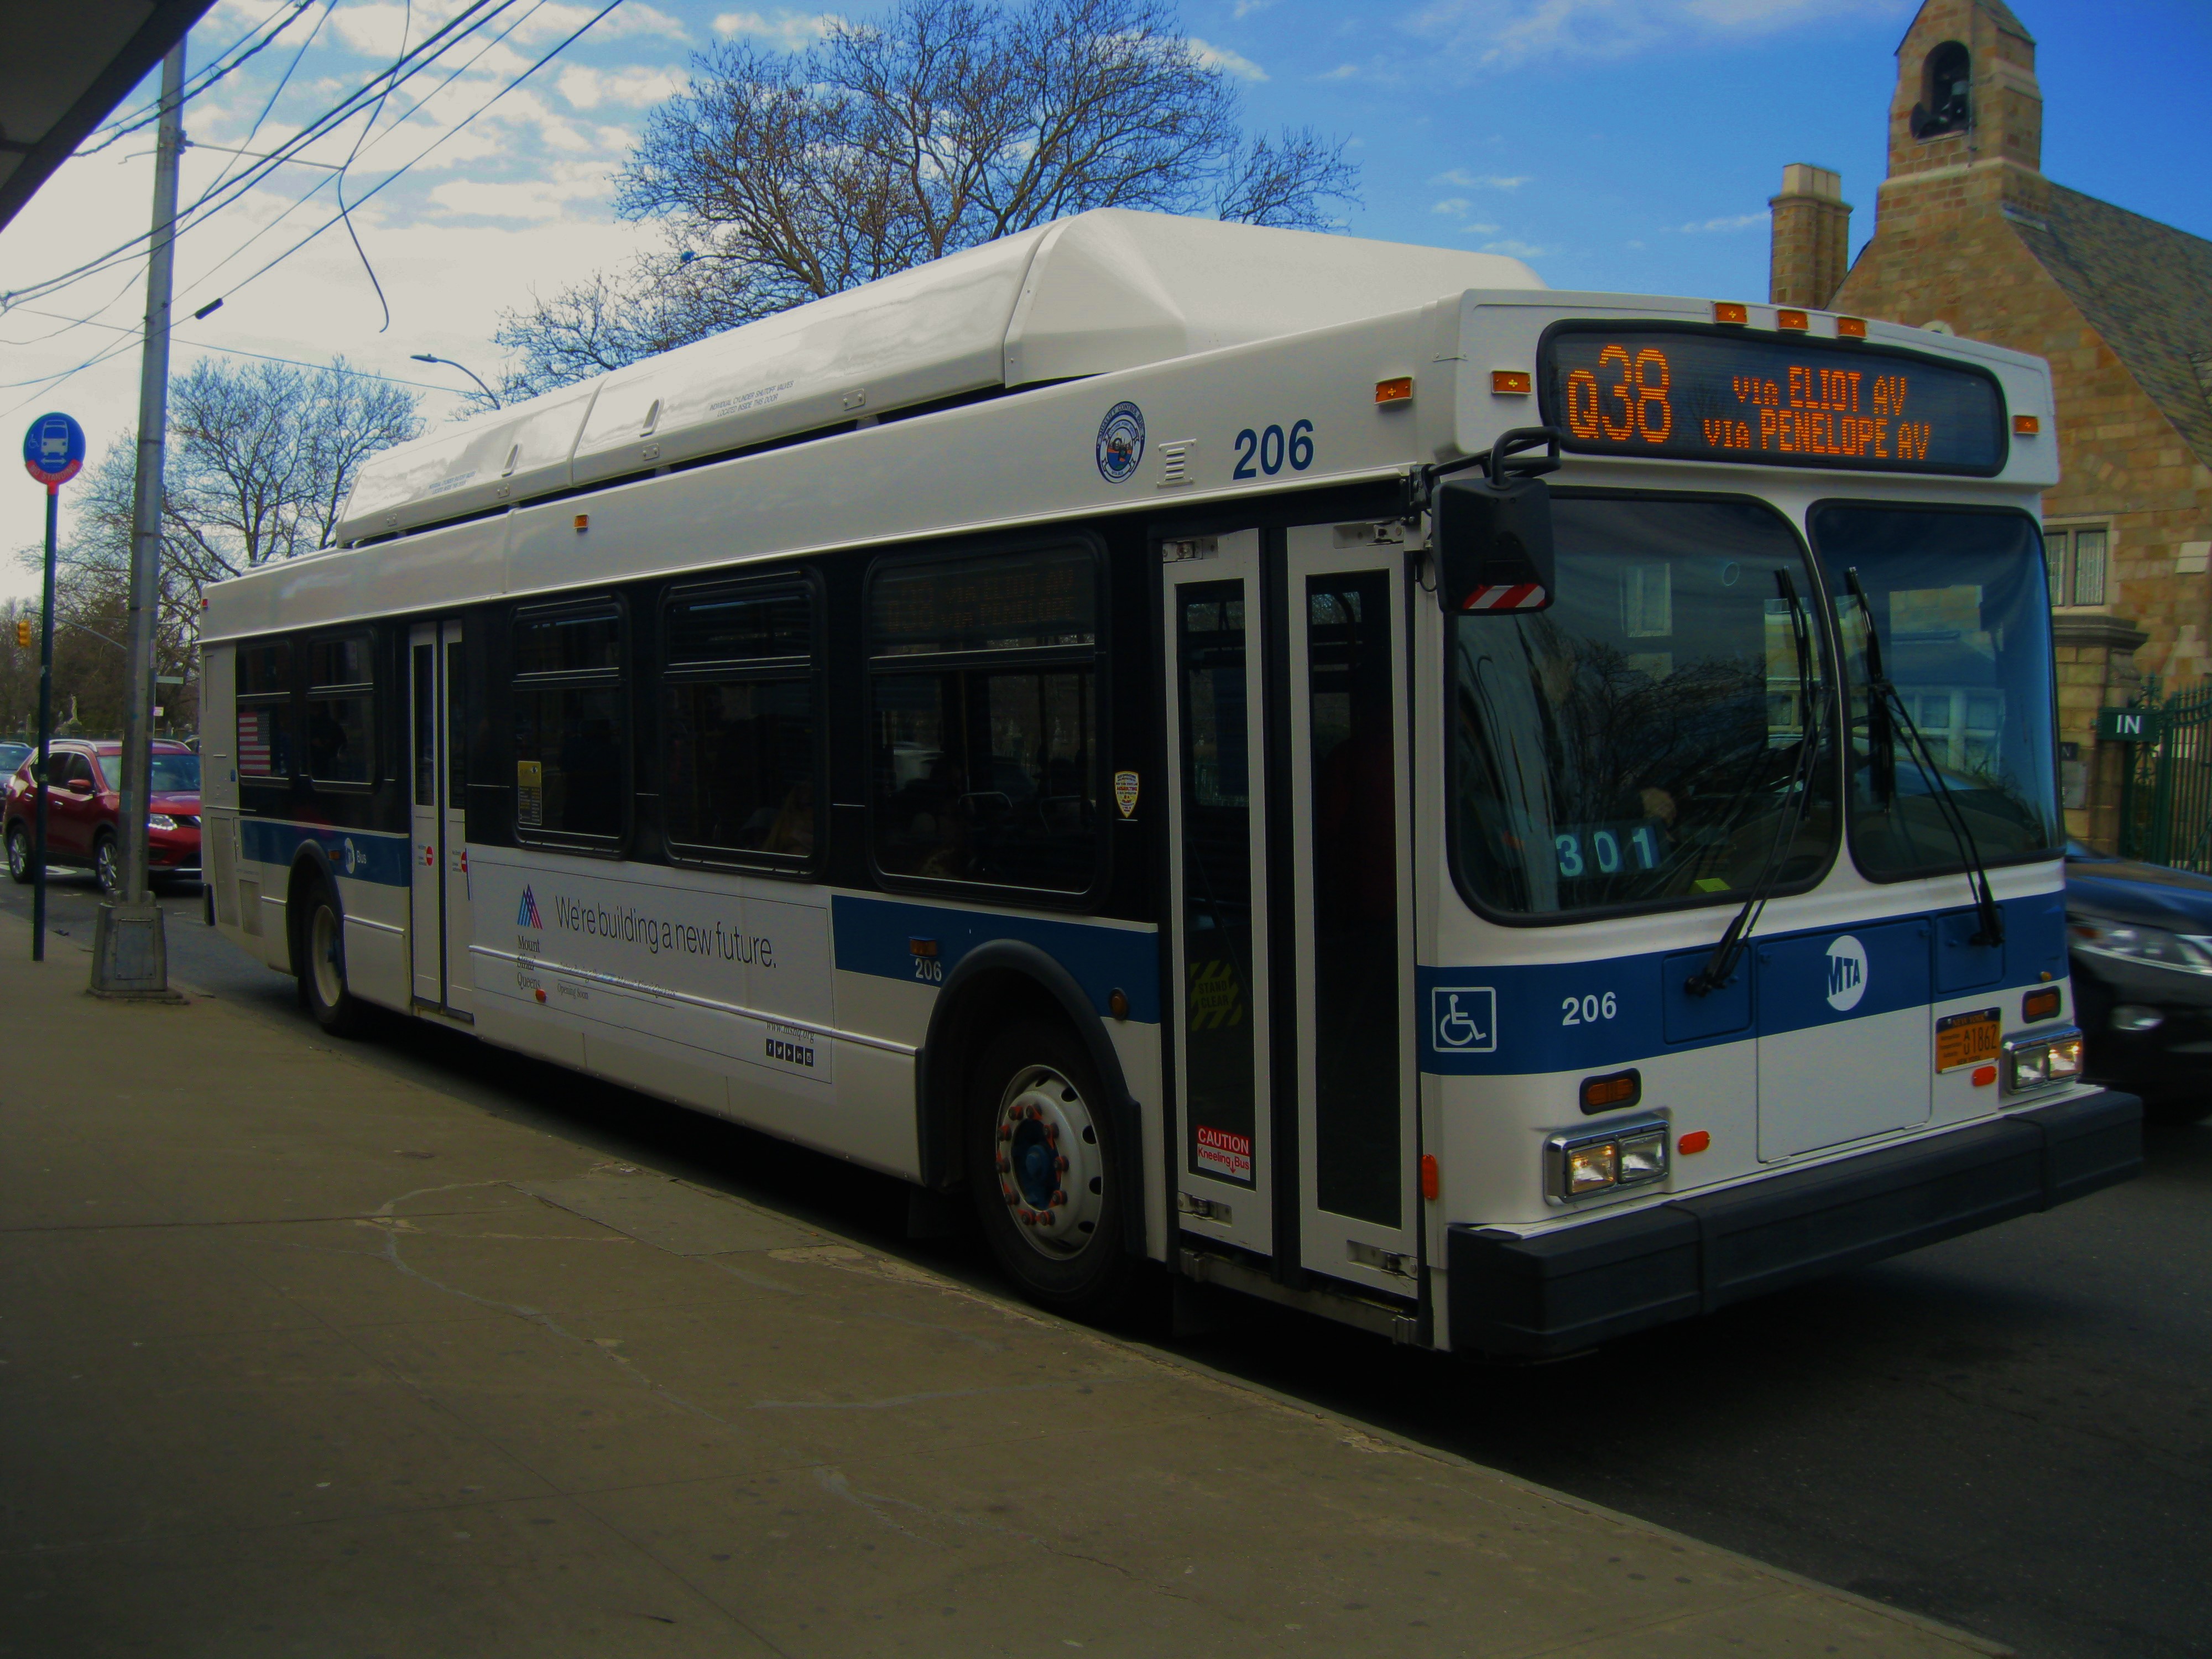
(2166, 793)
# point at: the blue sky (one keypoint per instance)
(1615, 144)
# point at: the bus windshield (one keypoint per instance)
(1960, 616)
(1641, 742)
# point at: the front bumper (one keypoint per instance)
(1555, 1293)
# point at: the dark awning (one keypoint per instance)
(66, 66)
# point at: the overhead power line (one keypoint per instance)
(403, 68)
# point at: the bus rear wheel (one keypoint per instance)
(323, 987)
(1044, 1171)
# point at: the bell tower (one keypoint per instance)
(1967, 91)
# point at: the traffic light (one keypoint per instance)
(23, 630)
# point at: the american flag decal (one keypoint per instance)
(1497, 596)
(255, 729)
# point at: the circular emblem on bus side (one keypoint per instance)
(1120, 442)
(1847, 973)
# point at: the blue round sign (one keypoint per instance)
(53, 449)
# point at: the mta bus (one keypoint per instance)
(1497, 816)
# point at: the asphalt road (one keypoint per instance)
(2012, 1432)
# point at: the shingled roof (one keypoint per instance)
(2146, 288)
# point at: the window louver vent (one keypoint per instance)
(1174, 463)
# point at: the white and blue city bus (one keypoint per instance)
(1501, 816)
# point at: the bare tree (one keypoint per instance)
(784, 177)
(260, 461)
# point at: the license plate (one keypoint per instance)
(1967, 1039)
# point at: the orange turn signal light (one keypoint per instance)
(921, 947)
(1984, 1076)
(2040, 1004)
(2027, 426)
(1612, 1090)
(1397, 390)
(1432, 1181)
(1850, 328)
(1728, 311)
(1696, 1141)
(1512, 382)
(1788, 318)
(583, 521)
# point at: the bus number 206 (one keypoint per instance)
(1587, 1010)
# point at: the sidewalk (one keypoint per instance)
(300, 1357)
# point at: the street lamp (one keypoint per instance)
(425, 357)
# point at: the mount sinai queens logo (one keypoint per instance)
(526, 915)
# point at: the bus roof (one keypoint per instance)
(1104, 290)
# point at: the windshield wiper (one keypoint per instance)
(1720, 967)
(1885, 694)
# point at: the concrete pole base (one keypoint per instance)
(130, 954)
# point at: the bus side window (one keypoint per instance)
(741, 707)
(264, 710)
(983, 719)
(571, 732)
(340, 693)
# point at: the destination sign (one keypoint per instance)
(1692, 393)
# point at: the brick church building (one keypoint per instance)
(1969, 234)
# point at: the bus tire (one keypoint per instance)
(1044, 1171)
(320, 952)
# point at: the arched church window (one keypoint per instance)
(1944, 79)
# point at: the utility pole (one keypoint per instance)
(130, 948)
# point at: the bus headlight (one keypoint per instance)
(1580, 1162)
(2037, 1062)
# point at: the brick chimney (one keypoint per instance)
(1811, 237)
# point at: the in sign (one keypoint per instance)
(2128, 725)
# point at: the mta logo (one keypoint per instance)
(1847, 973)
(527, 915)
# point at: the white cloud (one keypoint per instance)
(1467, 180)
(635, 87)
(1230, 62)
(540, 199)
(792, 31)
(1342, 72)
(1492, 32)
(1732, 221)
(1516, 250)
(1246, 8)
(1473, 230)
(1456, 206)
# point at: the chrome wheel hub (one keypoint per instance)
(1052, 1173)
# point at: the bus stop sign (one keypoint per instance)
(53, 450)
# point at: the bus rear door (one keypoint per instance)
(439, 888)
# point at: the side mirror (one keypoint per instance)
(1493, 534)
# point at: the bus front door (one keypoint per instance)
(439, 908)
(1350, 930)
(1292, 944)
(1217, 813)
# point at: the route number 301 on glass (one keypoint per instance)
(1604, 850)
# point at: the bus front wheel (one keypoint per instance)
(322, 968)
(1043, 1167)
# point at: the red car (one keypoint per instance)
(81, 806)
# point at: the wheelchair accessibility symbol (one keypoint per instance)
(1463, 1019)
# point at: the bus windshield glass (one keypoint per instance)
(1962, 622)
(1641, 744)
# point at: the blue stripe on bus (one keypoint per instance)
(360, 853)
(874, 936)
(1558, 1016)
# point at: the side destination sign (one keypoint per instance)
(1687, 391)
